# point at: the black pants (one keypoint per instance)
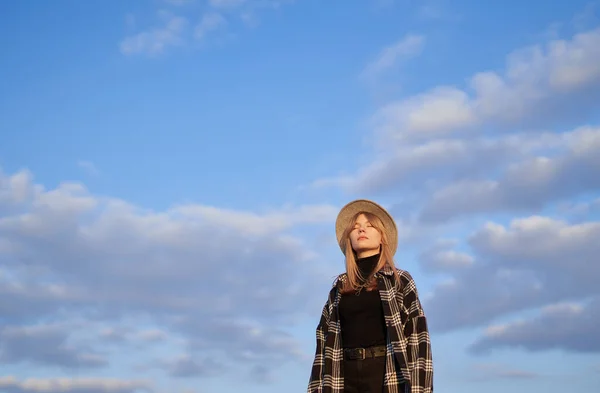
(364, 376)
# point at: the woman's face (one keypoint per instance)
(365, 238)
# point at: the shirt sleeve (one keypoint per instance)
(419, 342)
(315, 384)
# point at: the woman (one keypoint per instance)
(372, 336)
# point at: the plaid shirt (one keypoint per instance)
(408, 354)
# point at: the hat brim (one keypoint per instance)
(348, 212)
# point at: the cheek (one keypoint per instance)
(377, 237)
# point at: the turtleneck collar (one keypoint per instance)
(367, 264)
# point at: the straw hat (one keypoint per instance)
(348, 212)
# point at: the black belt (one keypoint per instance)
(364, 353)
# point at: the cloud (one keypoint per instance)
(176, 31)
(209, 277)
(11, 384)
(406, 166)
(441, 257)
(253, 341)
(88, 167)
(157, 40)
(186, 367)
(226, 3)
(128, 335)
(484, 372)
(260, 224)
(248, 11)
(531, 183)
(545, 244)
(45, 345)
(579, 210)
(451, 178)
(484, 140)
(179, 2)
(262, 374)
(536, 79)
(210, 22)
(573, 329)
(587, 17)
(409, 46)
(534, 262)
(480, 294)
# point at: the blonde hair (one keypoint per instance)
(353, 274)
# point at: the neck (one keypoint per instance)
(367, 265)
(366, 253)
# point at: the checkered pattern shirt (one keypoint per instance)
(409, 365)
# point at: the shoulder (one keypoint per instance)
(407, 282)
(405, 276)
(341, 278)
(409, 290)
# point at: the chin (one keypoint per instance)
(374, 250)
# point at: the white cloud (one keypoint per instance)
(529, 183)
(11, 384)
(15, 189)
(409, 46)
(207, 276)
(444, 175)
(210, 22)
(441, 257)
(452, 177)
(545, 244)
(578, 210)
(587, 17)
(534, 262)
(412, 166)
(533, 81)
(46, 345)
(185, 366)
(573, 329)
(226, 3)
(126, 334)
(156, 41)
(175, 31)
(179, 2)
(443, 108)
(259, 224)
(152, 335)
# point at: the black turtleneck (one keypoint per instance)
(361, 315)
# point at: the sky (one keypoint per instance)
(171, 170)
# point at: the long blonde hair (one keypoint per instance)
(354, 276)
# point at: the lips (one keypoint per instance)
(363, 238)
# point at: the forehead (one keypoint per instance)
(361, 218)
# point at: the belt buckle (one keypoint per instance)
(357, 354)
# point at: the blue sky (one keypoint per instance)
(170, 173)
